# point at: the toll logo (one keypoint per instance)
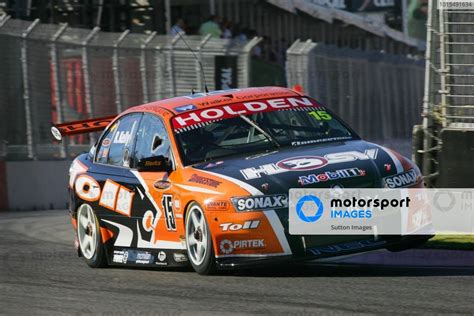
(309, 208)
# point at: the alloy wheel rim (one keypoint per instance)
(196, 233)
(87, 231)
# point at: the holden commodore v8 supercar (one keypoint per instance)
(204, 179)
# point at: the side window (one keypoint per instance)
(104, 146)
(152, 139)
(117, 144)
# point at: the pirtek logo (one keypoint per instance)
(228, 246)
(307, 163)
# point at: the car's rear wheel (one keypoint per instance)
(198, 241)
(90, 240)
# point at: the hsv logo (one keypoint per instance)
(307, 163)
(302, 163)
(187, 119)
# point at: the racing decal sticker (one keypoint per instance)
(76, 168)
(167, 203)
(122, 137)
(271, 216)
(124, 236)
(161, 259)
(117, 198)
(183, 121)
(106, 142)
(150, 222)
(227, 246)
(205, 94)
(109, 194)
(203, 180)
(321, 140)
(247, 225)
(216, 205)
(304, 163)
(124, 201)
(120, 256)
(320, 115)
(87, 188)
(185, 108)
(260, 202)
(331, 175)
(401, 180)
(197, 189)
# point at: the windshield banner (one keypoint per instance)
(419, 211)
(186, 120)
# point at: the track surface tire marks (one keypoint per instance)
(40, 273)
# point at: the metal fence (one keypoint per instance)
(448, 101)
(378, 94)
(53, 73)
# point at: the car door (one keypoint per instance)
(163, 221)
(119, 206)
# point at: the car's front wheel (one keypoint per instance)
(198, 241)
(90, 240)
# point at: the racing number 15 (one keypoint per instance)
(320, 115)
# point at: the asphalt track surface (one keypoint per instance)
(41, 274)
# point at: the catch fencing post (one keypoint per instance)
(442, 65)
(85, 69)
(171, 64)
(143, 67)
(161, 83)
(26, 90)
(57, 93)
(115, 70)
(3, 144)
(246, 50)
(198, 67)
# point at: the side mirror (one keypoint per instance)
(158, 163)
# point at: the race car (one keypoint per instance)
(203, 180)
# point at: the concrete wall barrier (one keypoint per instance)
(3, 187)
(35, 185)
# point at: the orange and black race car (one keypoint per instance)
(203, 180)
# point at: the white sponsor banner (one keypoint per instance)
(455, 4)
(403, 211)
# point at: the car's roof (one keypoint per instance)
(211, 99)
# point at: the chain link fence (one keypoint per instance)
(378, 94)
(53, 73)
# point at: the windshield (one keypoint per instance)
(240, 128)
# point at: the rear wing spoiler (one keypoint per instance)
(81, 127)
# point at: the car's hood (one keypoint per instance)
(346, 164)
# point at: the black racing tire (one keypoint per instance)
(91, 248)
(197, 229)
